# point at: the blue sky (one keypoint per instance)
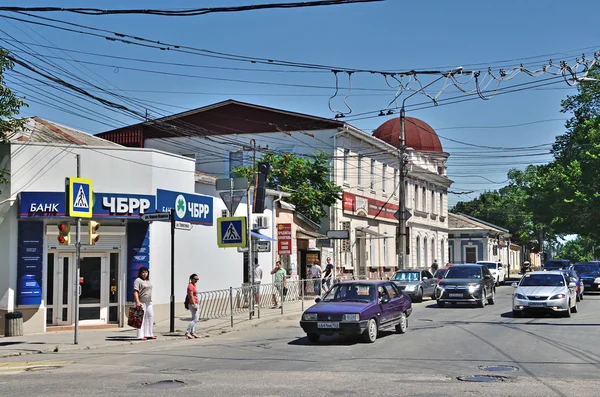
(392, 35)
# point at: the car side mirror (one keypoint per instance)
(515, 285)
(317, 299)
(572, 285)
(384, 300)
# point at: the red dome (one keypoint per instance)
(418, 134)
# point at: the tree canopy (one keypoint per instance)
(306, 178)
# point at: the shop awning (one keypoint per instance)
(371, 233)
(262, 236)
(307, 235)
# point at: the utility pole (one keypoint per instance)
(172, 298)
(77, 263)
(249, 238)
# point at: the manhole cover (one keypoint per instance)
(165, 384)
(498, 368)
(43, 368)
(482, 378)
(177, 371)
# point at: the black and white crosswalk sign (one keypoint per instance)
(232, 232)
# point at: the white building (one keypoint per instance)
(37, 273)
(224, 135)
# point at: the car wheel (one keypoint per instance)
(567, 313)
(419, 296)
(313, 338)
(516, 314)
(574, 309)
(370, 333)
(403, 325)
(492, 300)
(481, 303)
(441, 304)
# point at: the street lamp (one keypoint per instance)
(401, 233)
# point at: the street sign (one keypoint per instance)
(231, 184)
(156, 216)
(338, 234)
(79, 197)
(262, 246)
(183, 225)
(232, 199)
(407, 215)
(242, 249)
(231, 232)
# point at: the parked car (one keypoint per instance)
(415, 283)
(497, 270)
(546, 292)
(579, 287)
(467, 283)
(358, 308)
(556, 264)
(589, 273)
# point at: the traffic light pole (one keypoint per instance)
(77, 265)
(172, 314)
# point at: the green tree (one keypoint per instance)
(10, 106)
(577, 250)
(566, 194)
(306, 178)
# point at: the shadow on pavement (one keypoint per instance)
(11, 343)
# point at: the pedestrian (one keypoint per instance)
(193, 305)
(434, 266)
(315, 272)
(328, 275)
(258, 273)
(279, 283)
(142, 294)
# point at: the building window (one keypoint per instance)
(415, 198)
(424, 253)
(433, 206)
(441, 204)
(372, 174)
(442, 258)
(424, 199)
(470, 254)
(418, 251)
(385, 252)
(359, 169)
(395, 187)
(433, 251)
(450, 254)
(346, 154)
(383, 177)
(371, 253)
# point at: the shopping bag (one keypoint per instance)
(135, 318)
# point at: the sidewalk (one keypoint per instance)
(94, 339)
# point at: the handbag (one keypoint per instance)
(135, 317)
(285, 291)
(187, 302)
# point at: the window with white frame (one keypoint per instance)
(371, 253)
(433, 251)
(425, 256)
(418, 246)
(433, 206)
(416, 197)
(424, 199)
(441, 204)
(372, 174)
(442, 252)
(383, 177)
(385, 252)
(470, 254)
(359, 170)
(346, 155)
(395, 187)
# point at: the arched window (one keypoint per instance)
(418, 251)
(424, 253)
(442, 260)
(433, 251)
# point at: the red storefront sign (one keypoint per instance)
(284, 238)
(368, 207)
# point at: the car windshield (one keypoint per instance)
(464, 272)
(351, 292)
(406, 276)
(491, 266)
(543, 280)
(587, 268)
(555, 264)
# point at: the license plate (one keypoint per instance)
(587, 285)
(456, 295)
(537, 304)
(328, 325)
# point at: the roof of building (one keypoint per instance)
(39, 130)
(418, 135)
(462, 221)
(223, 118)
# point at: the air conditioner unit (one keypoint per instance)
(261, 222)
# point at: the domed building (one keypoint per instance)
(418, 135)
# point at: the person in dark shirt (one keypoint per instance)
(327, 275)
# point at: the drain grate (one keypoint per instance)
(165, 384)
(482, 378)
(498, 368)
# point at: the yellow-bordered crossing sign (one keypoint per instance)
(79, 197)
(231, 232)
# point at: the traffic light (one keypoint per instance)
(64, 233)
(93, 236)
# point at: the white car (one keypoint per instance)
(497, 270)
(545, 292)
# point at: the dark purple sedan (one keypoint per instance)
(358, 308)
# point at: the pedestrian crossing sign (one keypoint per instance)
(79, 198)
(231, 232)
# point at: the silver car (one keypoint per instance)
(415, 283)
(545, 292)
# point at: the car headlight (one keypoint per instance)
(410, 287)
(597, 280)
(558, 296)
(473, 288)
(351, 317)
(520, 296)
(310, 316)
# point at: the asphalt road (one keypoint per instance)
(553, 357)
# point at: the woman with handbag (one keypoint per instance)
(193, 305)
(142, 294)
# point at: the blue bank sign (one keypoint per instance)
(115, 205)
(193, 208)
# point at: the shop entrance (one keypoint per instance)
(97, 288)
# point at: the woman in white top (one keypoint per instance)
(142, 294)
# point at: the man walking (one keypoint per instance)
(258, 273)
(315, 272)
(327, 275)
(279, 283)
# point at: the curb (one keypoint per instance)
(166, 337)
